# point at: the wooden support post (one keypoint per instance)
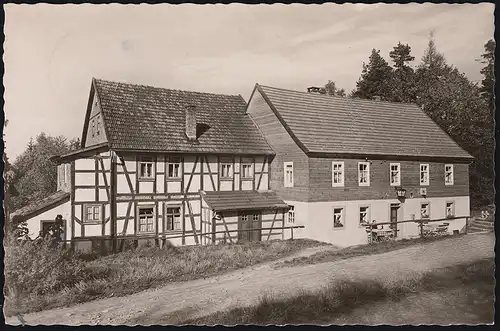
(291, 230)
(371, 235)
(466, 225)
(421, 222)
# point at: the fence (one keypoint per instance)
(421, 223)
(120, 241)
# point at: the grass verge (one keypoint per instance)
(359, 250)
(40, 278)
(341, 298)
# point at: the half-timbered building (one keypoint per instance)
(341, 162)
(159, 164)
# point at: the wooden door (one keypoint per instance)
(394, 219)
(248, 221)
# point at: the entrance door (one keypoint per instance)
(394, 219)
(248, 221)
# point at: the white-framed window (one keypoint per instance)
(364, 214)
(174, 167)
(92, 213)
(424, 174)
(450, 209)
(291, 214)
(338, 217)
(364, 173)
(173, 218)
(337, 174)
(425, 210)
(146, 220)
(226, 170)
(395, 174)
(146, 167)
(288, 171)
(246, 170)
(448, 174)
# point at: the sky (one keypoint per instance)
(53, 51)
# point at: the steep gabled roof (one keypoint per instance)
(327, 124)
(146, 118)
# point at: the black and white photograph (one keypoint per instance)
(239, 164)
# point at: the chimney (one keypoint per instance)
(191, 122)
(313, 89)
(376, 98)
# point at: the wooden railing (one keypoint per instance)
(421, 222)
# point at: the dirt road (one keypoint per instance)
(177, 301)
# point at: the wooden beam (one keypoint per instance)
(192, 174)
(272, 225)
(96, 178)
(127, 216)
(227, 229)
(193, 225)
(105, 179)
(210, 173)
(262, 172)
(129, 181)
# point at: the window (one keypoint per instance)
(338, 217)
(146, 167)
(244, 218)
(364, 174)
(395, 174)
(363, 215)
(246, 170)
(424, 174)
(337, 174)
(288, 174)
(255, 217)
(424, 210)
(448, 174)
(173, 218)
(173, 167)
(146, 220)
(92, 213)
(226, 170)
(450, 209)
(291, 214)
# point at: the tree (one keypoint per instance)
(488, 82)
(35, 176)
(375, 78)
(331, 89)
(403, 84)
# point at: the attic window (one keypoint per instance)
(146, 170)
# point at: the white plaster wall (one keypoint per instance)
(319, 220)
(246, 185)
(301, 217)
(50, 215)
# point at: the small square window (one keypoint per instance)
(173, 167)
(363, 215)
(146, 170)
(425, 210)
(448, 174)
(450, 209)
(92, 213)
(288, 171)
(291, 214)
(338, 217)
(424, 174)
(173, 218)
(395, 174)
(146, 220)
(226, 170)
(364, 174)
(246, 170)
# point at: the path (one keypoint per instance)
(177, 301)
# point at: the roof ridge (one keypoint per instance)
(162, 88)
(337, 97)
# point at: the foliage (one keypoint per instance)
(375, 79)
(35, 283)
(341, 297)
(403, 84)
(331, 89)
(35, 176)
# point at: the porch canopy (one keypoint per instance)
(242, 200)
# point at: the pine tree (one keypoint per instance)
(403, 83)
(488, 82)
(375, 78)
